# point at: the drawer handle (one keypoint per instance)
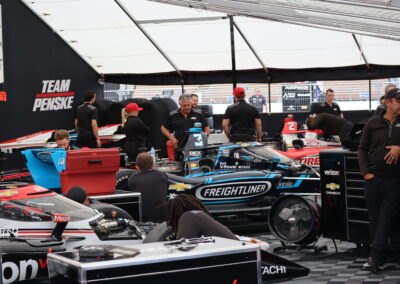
(95, 161)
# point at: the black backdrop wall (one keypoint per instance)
(44, 77)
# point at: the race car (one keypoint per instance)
(44, 139)
(35, 221)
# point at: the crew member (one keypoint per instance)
(382, 105)
(258, 100)
(190, 219)
(181, 120)
(194, 100)
(62, 140)
(153, 186)
(241, 120)
(135, 131)
(86, 122)
(331, 125)
(378, 157)
(329, 106)
(78, 194)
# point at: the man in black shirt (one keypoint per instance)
(331, 125)
(329, 106)
(135, 131)
(153, 186)
(258, 100)
(181, 120)
(86, 122)
(381, 107)
(194, 100)
(378, 157)
(241, 120)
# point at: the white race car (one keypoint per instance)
(43, 139)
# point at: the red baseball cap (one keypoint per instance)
(239, 92)
(132, 107)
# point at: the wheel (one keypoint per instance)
(122, 178)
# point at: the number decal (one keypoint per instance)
(199, 140)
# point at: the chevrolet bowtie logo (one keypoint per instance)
(332, 186)
(179, 186)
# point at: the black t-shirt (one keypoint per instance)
(178, 123)
(153, 185)
(242, 118)
(85, 113)
(326, 108)
(258, 102)
(135, 130)
(328, 123)
(194, 224)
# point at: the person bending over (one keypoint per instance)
(78, 194)
(153, 186)
(331, 125)
(190, 219)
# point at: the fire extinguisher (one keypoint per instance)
(170, 151)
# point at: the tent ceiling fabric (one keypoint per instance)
(286, 34)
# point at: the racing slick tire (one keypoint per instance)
(122, 178)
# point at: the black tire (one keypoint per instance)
(107, 209)
(122, 179)
(102, 108)
(207, 110)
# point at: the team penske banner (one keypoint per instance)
(43, 76)
(55, 96)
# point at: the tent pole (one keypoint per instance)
(370, 91)
(147, 35)
(183, 86)
(269, 94)
(232, 31)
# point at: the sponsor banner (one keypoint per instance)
(55, 95)
(235, 190)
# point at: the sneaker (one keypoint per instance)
(373, 265)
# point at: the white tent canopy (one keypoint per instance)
(197, 39)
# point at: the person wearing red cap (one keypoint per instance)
(241, 120)
(135, 131)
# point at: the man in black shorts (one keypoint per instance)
(86, 122)
(181, 120)
(153, 186)
(331, 125)
(242, 121)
